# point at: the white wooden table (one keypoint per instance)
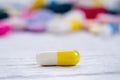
(100, 58)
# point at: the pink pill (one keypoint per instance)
(37, 27)
(4, 28)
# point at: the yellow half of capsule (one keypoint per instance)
(37, 4)
(75, 24)
(69, 57)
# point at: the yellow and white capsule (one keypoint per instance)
(59, 58)
(69, 22)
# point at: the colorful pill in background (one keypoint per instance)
(92, 13)
(58, 6)
(37, 22)
(87, 24)
(5, 28)
(112, 6)
(17, 23)
(108, 30)
(56, 25)
(69, 22)
(38, 4)
(3, 14)
(91, 8)
(59, 58)
(95, 28)
(75, 18)
(15, 8)
(114, 27)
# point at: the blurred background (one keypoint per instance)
(97, 17)
(28, 27)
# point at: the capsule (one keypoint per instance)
(95, 28)
(69, 22)
(58, 58)
(108, 30)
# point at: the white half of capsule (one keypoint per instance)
(49, 58)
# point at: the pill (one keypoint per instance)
(17, 23)
(3, 14)
(75, 19)
(37, 4)
(39, 19)
(69, 22)
(108, 30)
(95, 28)
(5, 28)
(59, 7)
(59, 58)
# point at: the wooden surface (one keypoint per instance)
(100, 58)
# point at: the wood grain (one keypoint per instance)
(100, 58)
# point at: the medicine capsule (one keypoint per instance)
(95, 28)
(69, 22)
(59, 58)
(108, 30)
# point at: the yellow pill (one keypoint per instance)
(75, 19)
(75, 24)
(37, 4)
(59, 58)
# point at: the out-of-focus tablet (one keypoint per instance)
(108, 30)
(69, 22)
(5, 28)
(17, 23)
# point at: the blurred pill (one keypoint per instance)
(88, 22)
(92, 13)
(17, 23)
(95, 28)
(5, 28)
(37, 4)
(37, 22)
(12, 12)
(112, 6)
(91, 8)
(15, 9)
(108, 30)
(59, 6)
(69, 22)
(3, 14)
(53, 24)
